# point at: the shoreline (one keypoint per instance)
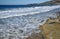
(42, 34)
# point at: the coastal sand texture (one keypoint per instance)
(36, 36)
(51, 29)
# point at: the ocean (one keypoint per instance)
(22, 21)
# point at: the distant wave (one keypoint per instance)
(22, 22)
(26, 11)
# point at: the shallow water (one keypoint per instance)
(22, 22)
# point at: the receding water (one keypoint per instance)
(22, 22)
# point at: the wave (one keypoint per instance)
(25, 21)
(26, 11)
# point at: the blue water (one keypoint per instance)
(12, 6)
(22, 6)
(22, 20)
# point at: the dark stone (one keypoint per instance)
(51, 22)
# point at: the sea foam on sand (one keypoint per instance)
(22, 22)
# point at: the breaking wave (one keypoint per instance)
(26, 11)
(24, 21)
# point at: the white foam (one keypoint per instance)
(27, 24)
(26, 11)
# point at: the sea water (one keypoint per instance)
(18, 23)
